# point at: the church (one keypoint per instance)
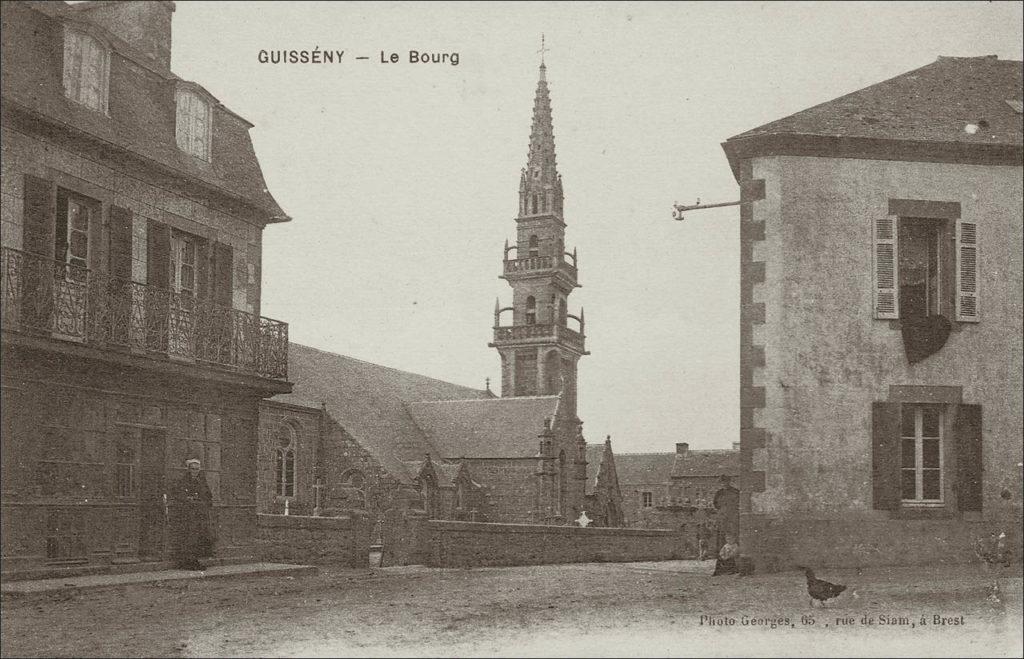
(355, 435)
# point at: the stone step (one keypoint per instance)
(61, 572)
(28, 586)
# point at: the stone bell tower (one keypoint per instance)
(539, 341)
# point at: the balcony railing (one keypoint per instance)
(548, 332)
(535, 263)
(41, 296)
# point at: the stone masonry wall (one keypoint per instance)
(339, 541)
(473, 544)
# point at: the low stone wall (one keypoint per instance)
(780, 544)
(473, 544)
(342, 541)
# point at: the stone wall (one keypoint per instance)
(339, 541)
(475, 544)
(816, 358)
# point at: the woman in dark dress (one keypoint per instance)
(191, 504)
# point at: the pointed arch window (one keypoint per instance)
(533, 204)
(284, 461)
(531, 311)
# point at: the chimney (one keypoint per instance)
(143, 24)
(682, 448)
(735, 446)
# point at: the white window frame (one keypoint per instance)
(919, 467)
(181, 243)
(75, 42)
(191, 137)
(281, 462)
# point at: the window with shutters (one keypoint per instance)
(921, 458)
(193, 124)
(927, 456)
(86, 69)
(925, 267)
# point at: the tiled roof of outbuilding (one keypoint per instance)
(641, 468)
(706, 463)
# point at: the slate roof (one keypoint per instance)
(369, 402)
(141, 117)
(486, 427)
(931, 103)
(642, 468)
(706, 463)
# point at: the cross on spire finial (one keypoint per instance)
(543, 49)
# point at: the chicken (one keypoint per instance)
(819, 589)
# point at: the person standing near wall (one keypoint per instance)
(191, 505)
(727, 505)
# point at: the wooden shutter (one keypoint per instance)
(885, 455)
(158, 255)
(223, 272)
(119, 251)
(39, 212)
(969, 465)
(967, 271)
(886, 267)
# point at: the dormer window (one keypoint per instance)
(86, 69)
(193, 124)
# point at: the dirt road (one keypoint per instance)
(637, 609)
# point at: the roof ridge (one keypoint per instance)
(389, 368)
(484, 400)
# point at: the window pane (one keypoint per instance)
(931, 484)
(930, 450)
(79, 216)
(908, 461)
(930, 422)
(79, 245)
(907, 422)
(908, 487)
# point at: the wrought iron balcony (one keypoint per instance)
(532, 264)
(49, 298)
(539, 334)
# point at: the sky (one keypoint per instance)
(402, 179)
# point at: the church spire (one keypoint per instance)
(540, 342)
(540, 189)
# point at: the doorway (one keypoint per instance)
(152, 504)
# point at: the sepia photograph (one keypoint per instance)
(511, 329)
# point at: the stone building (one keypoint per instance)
(133, 210)
(356, 435)
(666, 490)
(881, 405)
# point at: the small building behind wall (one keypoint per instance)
(133, 210)
(881, 395)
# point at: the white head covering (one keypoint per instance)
(194, 461)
